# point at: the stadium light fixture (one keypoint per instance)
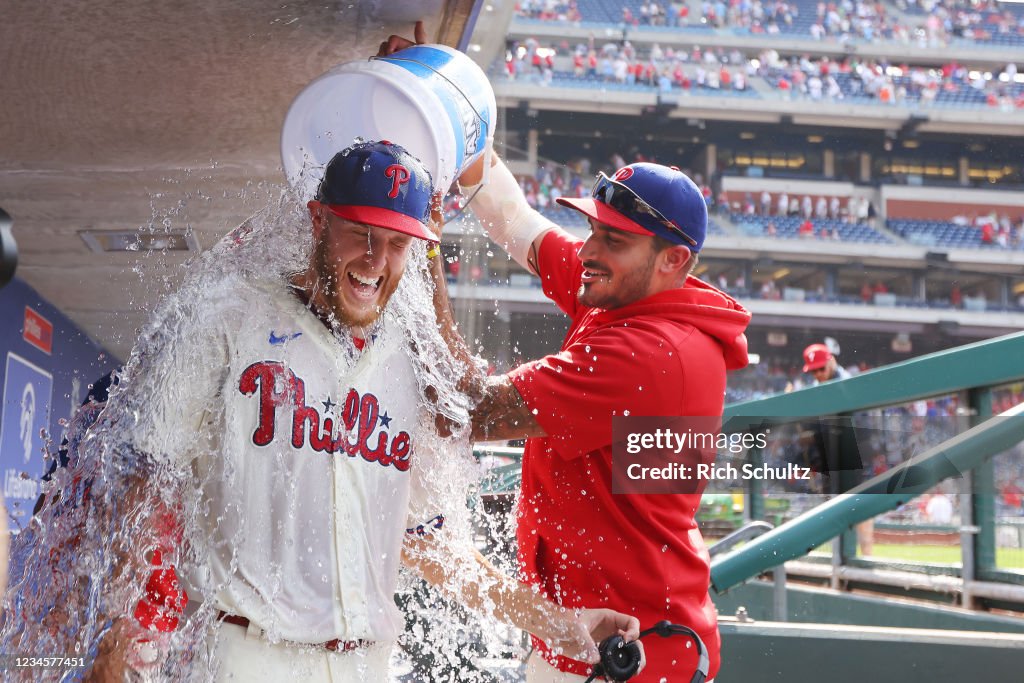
(108, 241)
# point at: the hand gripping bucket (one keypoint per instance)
(431, 99)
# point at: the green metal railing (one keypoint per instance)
(799, 536)
(973, 369)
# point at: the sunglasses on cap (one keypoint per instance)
(627, 202)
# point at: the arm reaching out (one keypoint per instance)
(500, 412)
(572, 633)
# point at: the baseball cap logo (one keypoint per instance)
(623, 173)
(399, 176)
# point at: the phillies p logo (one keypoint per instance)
(399, 176)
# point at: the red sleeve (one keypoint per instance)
(560, 269)
(575, 393)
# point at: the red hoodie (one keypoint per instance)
(639, 554)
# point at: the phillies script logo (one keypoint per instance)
(399, 176)
(279, 388)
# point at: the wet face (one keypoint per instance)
(618, 267)
(357, 267)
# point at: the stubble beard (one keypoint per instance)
(632, 286)
(337, 314)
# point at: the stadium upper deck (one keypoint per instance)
(977, 32)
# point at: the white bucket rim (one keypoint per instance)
(404, 81)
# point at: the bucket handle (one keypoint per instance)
(448, 80)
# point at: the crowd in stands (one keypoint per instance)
(819, 78)
(844, 21)
(927, 23)
(549, 10)
(987, 229)
(995, 229)
(836, 79)
(615, 62)
(782, 204)
(984, 20)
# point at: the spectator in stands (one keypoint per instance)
(986, 232)
(833, 208)
(783, 204)
(807, 206)
(766, 203)
(821, 208)
(956, 297)
(866, 293)
(806, 229)
(749, 209)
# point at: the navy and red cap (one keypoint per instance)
(665, 189)
(380, 184)
(816, 356)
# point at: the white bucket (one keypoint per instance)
(431, 99)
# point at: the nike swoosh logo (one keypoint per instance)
(278, 341)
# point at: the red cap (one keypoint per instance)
(816, 356)
(602, 213)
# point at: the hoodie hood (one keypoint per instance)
(697, 303)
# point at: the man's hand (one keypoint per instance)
(577, 636)
(395, 43)
(111, 663)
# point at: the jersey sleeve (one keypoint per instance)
(560, 269)
(574, 394)
(174, 383)
(430, 473)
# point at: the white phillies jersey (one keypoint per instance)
(306, 452)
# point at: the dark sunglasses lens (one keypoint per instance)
(619, 199)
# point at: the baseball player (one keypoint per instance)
(301, 422)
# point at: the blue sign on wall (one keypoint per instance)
(24, 423)
(47, 364)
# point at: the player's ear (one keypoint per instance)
(316, 215)
(674, 259)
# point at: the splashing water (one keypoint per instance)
(117, 515)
